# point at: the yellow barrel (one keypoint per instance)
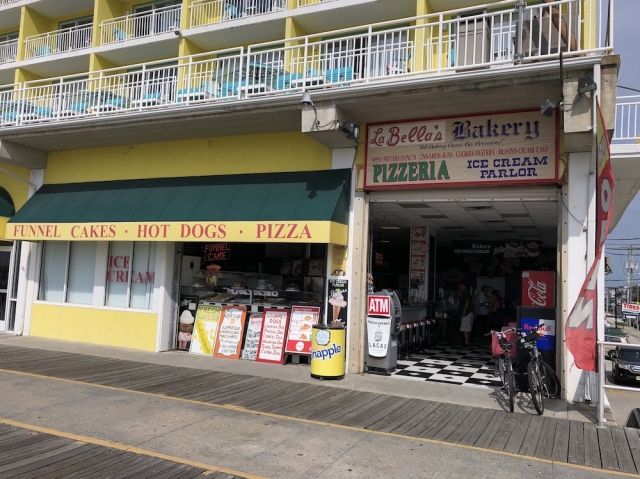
(327, 352)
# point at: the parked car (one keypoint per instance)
(625, 364)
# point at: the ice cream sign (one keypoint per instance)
(507, 148)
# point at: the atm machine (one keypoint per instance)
(384, 323)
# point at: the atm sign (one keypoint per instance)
(379, 306)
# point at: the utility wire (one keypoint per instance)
(628, 88)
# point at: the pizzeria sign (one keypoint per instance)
(502, 148)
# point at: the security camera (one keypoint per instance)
(350, 130)
(306, 99)
(547, 107)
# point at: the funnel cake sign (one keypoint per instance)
(502, 148)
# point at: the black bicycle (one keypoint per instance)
(506, 366)
(543, 381)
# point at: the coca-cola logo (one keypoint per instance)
(537, 292)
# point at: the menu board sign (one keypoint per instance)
(272, 337)
(205, 330)
(229, 338)
(302, 320)
(252, 340)
(498, 148)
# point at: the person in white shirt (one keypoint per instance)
(482, 314)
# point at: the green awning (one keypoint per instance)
(6, 204)
(257, 204)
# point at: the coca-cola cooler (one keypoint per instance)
(538, 309)
(538, 289)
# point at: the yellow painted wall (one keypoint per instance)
(31, 23)
(214, 156)
(124, 329)
(18, 190)
(14, 29)
(23, 75)
(104, 10)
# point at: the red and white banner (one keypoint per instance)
(630, 308)
(581, 327)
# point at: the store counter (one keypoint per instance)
(411, 314)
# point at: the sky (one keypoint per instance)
(625, 43)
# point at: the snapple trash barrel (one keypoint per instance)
(327, 351)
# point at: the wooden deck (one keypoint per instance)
(574, 442)
(26, 454)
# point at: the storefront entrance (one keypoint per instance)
(7, 301)
(424, 244)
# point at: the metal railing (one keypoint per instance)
(602, 377)
(306, 3)
(59, 41)
(627, 119)
(418, 47)
(207, 12)
(8, 51)
(7, 2)
(139, 25)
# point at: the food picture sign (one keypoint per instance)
(205, 329)
(506, 148)
(302, 320)
(229, 337)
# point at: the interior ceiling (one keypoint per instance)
(469, 221)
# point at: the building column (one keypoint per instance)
(578, 237)
(29, 267)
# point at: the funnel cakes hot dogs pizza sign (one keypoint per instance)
(503, 148)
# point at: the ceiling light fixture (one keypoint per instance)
(390, 228)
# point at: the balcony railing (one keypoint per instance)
(8, 51)
(7, 2)
(306, 3)
(627, 119)
(59, 41)
(139, 25)
(205, 12)
(415, 48)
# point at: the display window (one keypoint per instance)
(131, 274)
(68, 271)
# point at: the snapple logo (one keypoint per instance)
(327, 353)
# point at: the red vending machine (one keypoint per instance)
(538, 289)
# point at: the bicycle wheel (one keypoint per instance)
(535, 388)
(550, 380)
(511, 384)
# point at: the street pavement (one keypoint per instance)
(622, 402)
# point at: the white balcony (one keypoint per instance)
(7, 2)
(8, 51)
(417, 48)
(627, 119)
(205, 12)
(140, 25)
(306, 3)
(59, 41)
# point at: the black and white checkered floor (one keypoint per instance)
(453, 365)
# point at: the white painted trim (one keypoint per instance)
(100, 277)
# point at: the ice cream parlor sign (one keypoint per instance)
(501, 148)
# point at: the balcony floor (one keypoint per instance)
(140, 50)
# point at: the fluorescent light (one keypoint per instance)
(390, 228)
(384, 241)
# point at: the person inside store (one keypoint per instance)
(481, 321)
(466, 309)
(495, 310)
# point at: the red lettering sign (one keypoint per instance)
(379, 306)
(283, 231)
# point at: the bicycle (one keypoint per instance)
(543, 381)
(506, 362)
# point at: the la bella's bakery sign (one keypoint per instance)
(506, 148)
